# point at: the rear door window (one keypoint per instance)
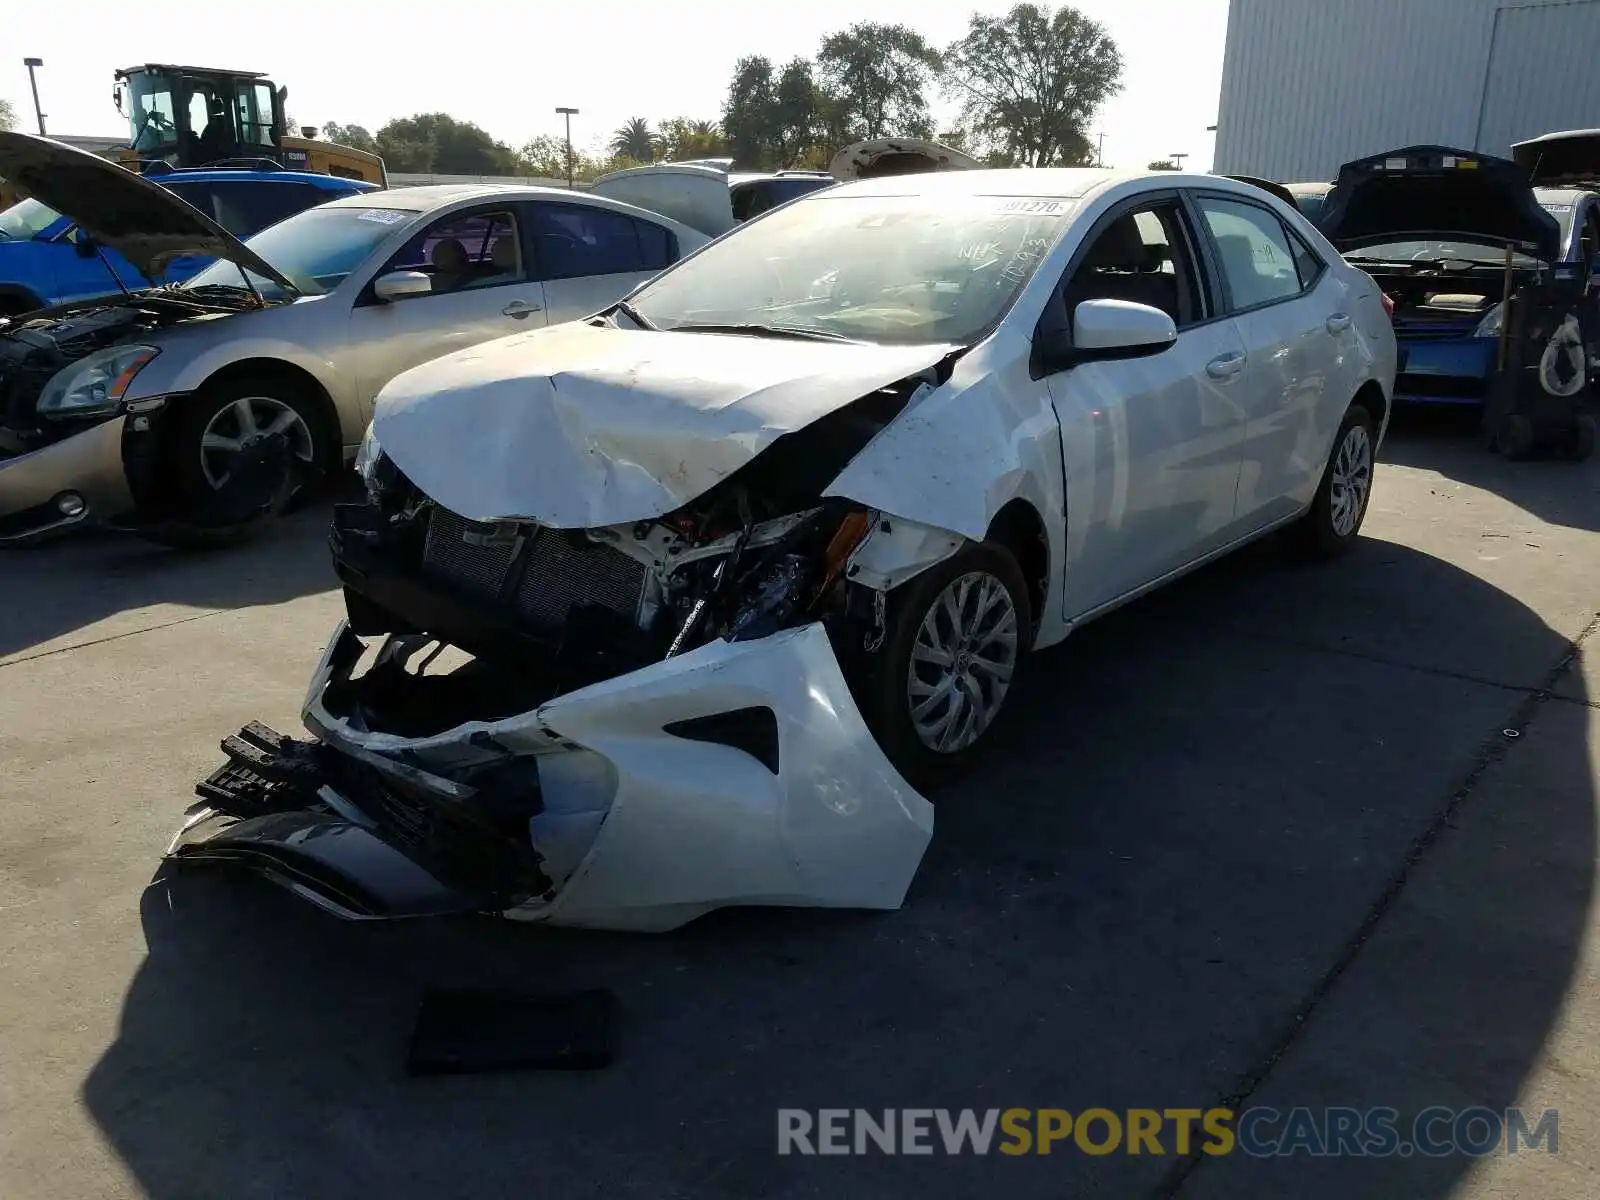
(571, 241)
(1258, 263)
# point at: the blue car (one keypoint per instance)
(1441, 230)
(45, 259)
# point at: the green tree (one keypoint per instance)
(681, 138)
(749, 115)
(1030, 81)
(8, 114)
(796, 115)
(437, 143)
(634, 139)
(545, 157)
(357, 137)
(1162, 164)
(875, 79)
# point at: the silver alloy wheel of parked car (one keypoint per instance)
(1352, 480)
(244, 423)
(961, 662)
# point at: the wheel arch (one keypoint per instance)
(16, 300)
(1021, 530)
(1370, 397)
(302, 381)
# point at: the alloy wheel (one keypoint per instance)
(1351, 480)
(962, 662)
(243, 425)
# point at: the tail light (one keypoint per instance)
(1388, 304)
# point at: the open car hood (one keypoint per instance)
(692, 193)
(1558, 158)
(142, 221)
(897, 156)
(581, 427)
(1435, 193)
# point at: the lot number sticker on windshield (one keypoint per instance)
(384, 216)
(1032, 206)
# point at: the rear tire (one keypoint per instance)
(1333, 522)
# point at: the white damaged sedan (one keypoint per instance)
(676, 607)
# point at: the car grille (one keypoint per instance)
(559, 571)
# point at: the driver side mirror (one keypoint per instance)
(1120, 329)
(1099, 330)
(399, 285)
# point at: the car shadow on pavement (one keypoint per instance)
(59, 589)
(1444, 439)
(1139, 901)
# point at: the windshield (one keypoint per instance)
(886, 269)
(314, 249)
(1470, 252)
(152, 124)
(27, 219)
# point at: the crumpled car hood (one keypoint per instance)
(579, 426)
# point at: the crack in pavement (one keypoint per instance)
(1492, 751)
(113, 637)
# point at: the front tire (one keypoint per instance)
(954, 640)
(1333, 522)
(239, 455)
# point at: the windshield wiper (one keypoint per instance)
(632, 314)
(802, 332)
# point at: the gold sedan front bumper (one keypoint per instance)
(76, 480)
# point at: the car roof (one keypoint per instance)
(432, 196)
(329, 183)
(1068, 183)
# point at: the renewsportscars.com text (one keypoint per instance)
(1260, 1132)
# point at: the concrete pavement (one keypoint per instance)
(1257, 839)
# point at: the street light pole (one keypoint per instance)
(1177, 160)
(568, 113)
(38, 115)
(1100, 151)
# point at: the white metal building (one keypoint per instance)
(1310, 84)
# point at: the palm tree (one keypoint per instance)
(634, 140)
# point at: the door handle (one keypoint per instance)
(1338, 323)
(519, 309)
(1225, 367)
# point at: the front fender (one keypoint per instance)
(192, 354)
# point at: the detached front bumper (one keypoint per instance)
(735, 774)
(78, 480)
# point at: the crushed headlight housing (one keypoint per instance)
(367, 459)
(95, 384)
(1492, 320)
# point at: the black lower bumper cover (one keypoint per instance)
(409, 854)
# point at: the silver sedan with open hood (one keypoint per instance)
(680, 606)
(191, 411)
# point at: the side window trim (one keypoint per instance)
(1199, 194)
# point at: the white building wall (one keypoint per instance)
(1310, 84)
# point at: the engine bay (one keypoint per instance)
(34, 348)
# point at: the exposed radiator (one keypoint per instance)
(563, 570)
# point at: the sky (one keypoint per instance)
(507, 65)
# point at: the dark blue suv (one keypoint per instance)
(45, 259)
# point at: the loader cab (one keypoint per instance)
(195, 117)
